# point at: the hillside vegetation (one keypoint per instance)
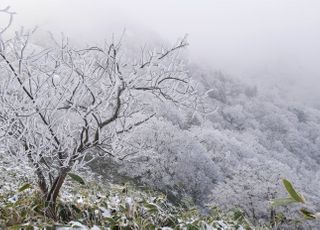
(187, 138)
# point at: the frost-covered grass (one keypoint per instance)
(111, 207)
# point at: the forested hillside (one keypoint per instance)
(240, 148)
(200, 149)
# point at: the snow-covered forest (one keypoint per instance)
(116, 135)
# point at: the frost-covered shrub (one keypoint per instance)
(62, 106)
(170, 159)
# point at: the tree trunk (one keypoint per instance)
(51, 198)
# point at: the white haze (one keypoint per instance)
(267, 42)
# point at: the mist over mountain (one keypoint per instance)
(267, 41)
(248, 117)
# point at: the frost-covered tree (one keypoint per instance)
(171, 160)
(255, 139)
(62, 106)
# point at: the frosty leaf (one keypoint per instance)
(24, 187)
(151, 207)
(282, 201)
(307, 214)
(76, 178)
(292, 192)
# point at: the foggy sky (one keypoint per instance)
(276, 41)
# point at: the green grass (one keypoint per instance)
(112, 207)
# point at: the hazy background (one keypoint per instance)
(266, 41)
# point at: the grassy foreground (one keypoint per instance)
(91, 206)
